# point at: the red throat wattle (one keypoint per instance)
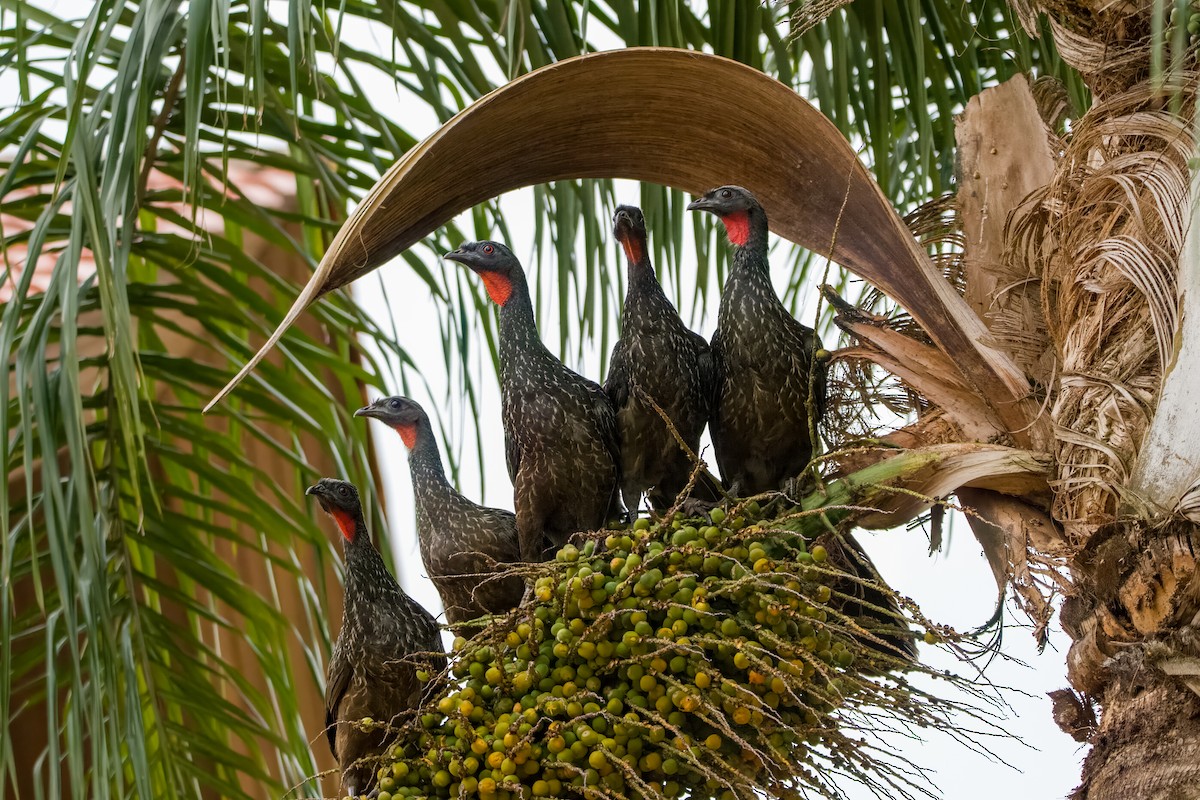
(408, 434)
(633, 248)
(345, 521)
(737, 227)
(499, 288)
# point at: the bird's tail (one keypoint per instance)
(872, 605)
(708, 488)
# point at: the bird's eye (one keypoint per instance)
(726, 194)
(488, 249)
(343, 491)
(395, 404)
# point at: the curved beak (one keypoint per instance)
(700, 204)
(322, 494)
(365, 411)
(459, 255)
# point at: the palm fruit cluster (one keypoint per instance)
(668, 659)
(1187, 16)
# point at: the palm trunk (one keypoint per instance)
(1135, 652)
(1088, 301)
(1148, 745)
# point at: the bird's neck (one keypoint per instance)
(750, 244)
(518, 328)
(367, 577)
(645, 300)
(425, 467)
(748, 292)
(424, 458)
(641, 274)
(356, 539)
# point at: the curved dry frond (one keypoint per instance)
(920, 476)
(1023, 547)
(605, 115)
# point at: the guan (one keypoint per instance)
(770, 390)
(371, 686)
(657, 362)
(466, 547)
(560, 430)
(770, 398)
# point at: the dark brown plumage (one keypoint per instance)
(771, 393)
(656, 358)
(464, 545)
(386, 637)
(760, 424)
(560, 431)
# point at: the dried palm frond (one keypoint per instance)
(936, 226)
(620, 103)
(864, 378)
(1053, 102)
(1024, 549)
(995, 180)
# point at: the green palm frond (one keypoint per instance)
(128, 523)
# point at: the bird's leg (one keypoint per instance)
(796, 488)
(632, 499)
(694, 507)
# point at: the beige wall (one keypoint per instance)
(253, 570)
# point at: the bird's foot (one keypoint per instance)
(692, 507)
(581, 538)
(795, 489)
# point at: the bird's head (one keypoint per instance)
(493, 262)
(734, 205)
(339, 499)
(399, 413)
(629, 228)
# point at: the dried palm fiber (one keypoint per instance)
(1107, 42)
(1105, 237)
(1016, 317)
(1053, 103)
(858, 388)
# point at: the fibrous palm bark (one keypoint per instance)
(1088, 300)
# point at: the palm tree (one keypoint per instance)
(159, 616)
